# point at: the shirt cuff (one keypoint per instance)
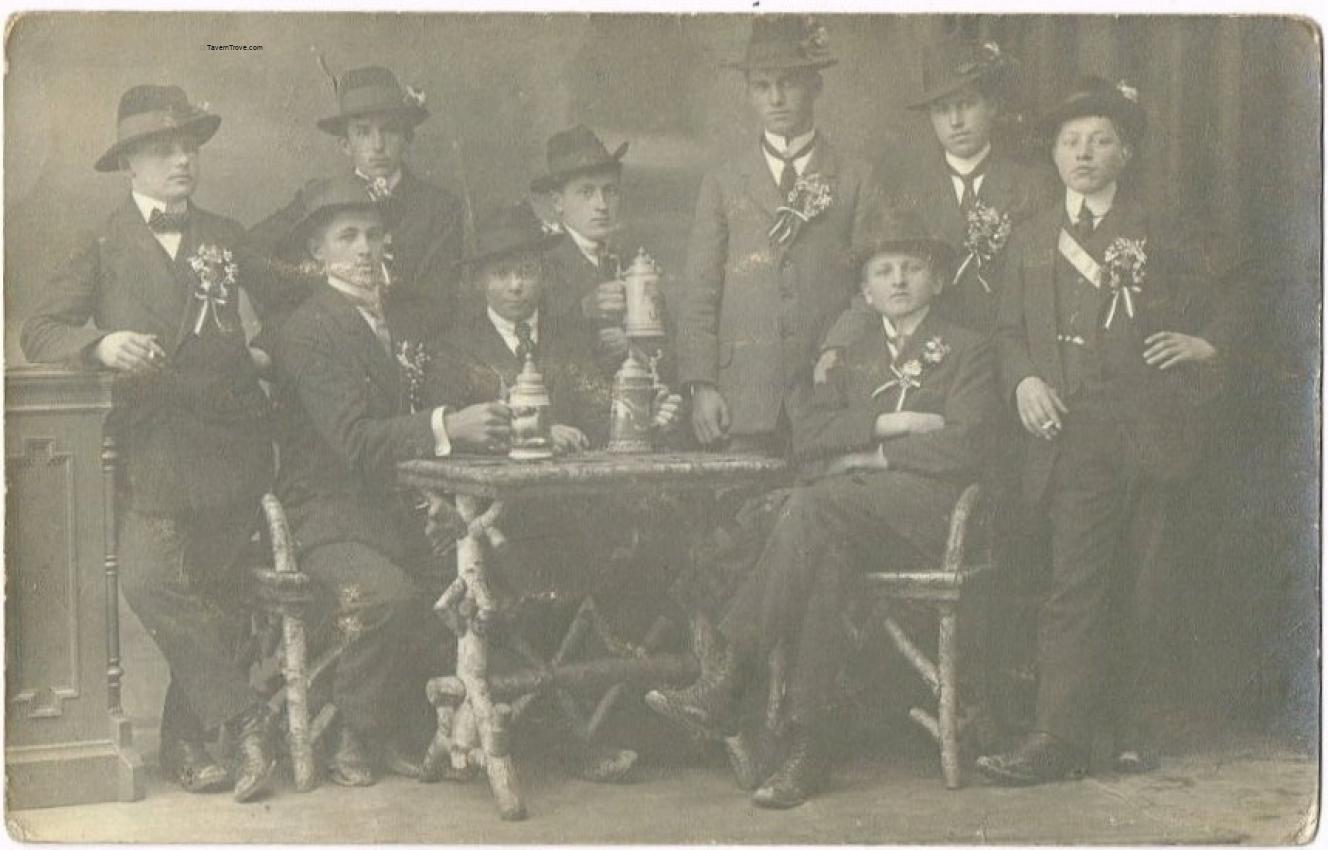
(442, 444)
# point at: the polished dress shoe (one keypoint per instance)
(190, 764)
(748, 762)
(705, 707)
(351, 765)
(256, 758)
(1039, 759)
(796, 779)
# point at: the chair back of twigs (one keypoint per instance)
(968, 548)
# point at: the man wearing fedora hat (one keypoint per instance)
(154, 297)
(885, 446)
(351, 391)
(1112, 327)
(768, 253)
(374, 125)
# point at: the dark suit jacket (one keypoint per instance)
(345, 425)
(426, 223)
(927, 471)
(1183, 291)
(196, 434)
(751, 315)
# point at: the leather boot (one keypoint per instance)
(797, 778)
(351, 764)
(1040, 758)
(190, 764)
(256, 759)
(705, 707)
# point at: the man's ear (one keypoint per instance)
(1127, 151)
(344, 143)
(556, 200)
(314, 244)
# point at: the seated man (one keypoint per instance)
(345, 426)
(887, 445)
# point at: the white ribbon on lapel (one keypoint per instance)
(1082, 261)
(905, 380)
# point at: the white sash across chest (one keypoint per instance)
(1081, 260)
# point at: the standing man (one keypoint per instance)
(768, 264)
(159, 284)
(375, 125)
(351, 412)
(1109, 338)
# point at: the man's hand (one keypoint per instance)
(127, 351)
(668, 410)
(568, 440)
(907, 422)
(1040, 408)
(612, 344)
(481, 427)
(710, 414)
(261, 360)
(824, 364)
(1168, 348)
(607, 303)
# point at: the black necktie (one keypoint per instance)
(163, 222)
(789, 176)
(970, 192)
(525, 341)
(1083, 225)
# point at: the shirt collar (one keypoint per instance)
(508, 328)
(345, 286)
(147, 204)
(392, 181)
(781, 144)
(966, 166)
(588, 247)
(907, 326)
(1099, 202)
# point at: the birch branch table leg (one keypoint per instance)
(473, 658)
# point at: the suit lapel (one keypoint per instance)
(157, 287)
(760, 182)
(1040, 292)
(383, 368)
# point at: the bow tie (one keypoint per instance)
(163, 222)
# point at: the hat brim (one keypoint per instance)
(782, 64)
(539, 245)
(930, 96)
(304, 227)
(941, 253)
(202, 127)
(335, 125)
(1130, 117)
(549, 182)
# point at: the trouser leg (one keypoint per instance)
(165, 581)
(370, 600)
(178, 721)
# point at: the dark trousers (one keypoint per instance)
(1104, 621)
(381, 614)
(797, 593)
(181, 575)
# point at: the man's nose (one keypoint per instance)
(956, 117)
(376, 140)
(776, 96)
(1084, 151)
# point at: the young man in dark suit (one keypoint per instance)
(1110, 332)
(766, 268)
(374, 126)
(155, 298)
(350, 412)
(886, 446)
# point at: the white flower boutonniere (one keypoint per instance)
(1123, 271)
(988, 231)
(909, 375)
(216, 271)
(810, 196)
(415, 96)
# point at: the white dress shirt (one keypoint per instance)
(783, 145)
(507, 329)
(1099, 202)
(904, 329)
(442, 444)
(169, 241)
(965, 167)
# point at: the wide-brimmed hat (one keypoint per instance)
(147, 111)
(780, 42)
(507, 230)
(573, 152)
(952, 64)
(373, 89)
(321, 198)
(1093, 95)
(901, 229)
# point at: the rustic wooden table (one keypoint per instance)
(474, 710)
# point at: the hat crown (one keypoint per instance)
(341, 191)
(147, 98)
(370, 76)
(509, 228)
(370, 89)
(904, 230)
(786, 41)
(1095, 95)
(574, 147)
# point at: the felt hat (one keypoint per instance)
(902, 229)
(1093, 95)
(574, 152)
(507, 230)
(148, 111)
(780, 42)
(372, 89)
(319, 199)
(952, 64)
